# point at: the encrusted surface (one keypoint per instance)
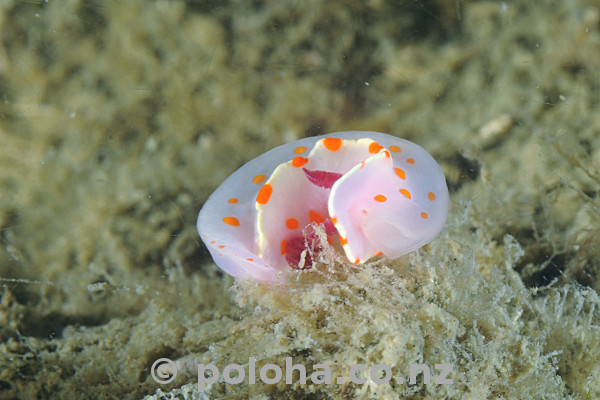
(118, 119)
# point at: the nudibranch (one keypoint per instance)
(372, 193)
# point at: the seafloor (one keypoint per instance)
(118, 119)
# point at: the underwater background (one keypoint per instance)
(118, 119)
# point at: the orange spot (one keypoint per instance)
(343, 240)
(329, 240)
(315, 217)
(424, 215)
(365, 212)
(379, 253)
(381, 198)
(232, 201)
(406, 193)
(292, 223)
(431, 196)
(387, 154)
(357, 261)
(221, 246)
(332, 143)
(375, 147)
(283, 245)
(259, 178)
(410, 160)
(233, 221)
(400, 173)
(297, 162)
(299, 150)
(334, 220)
(264, 194)
(362, 164)
(395, 149)
(250, 259)
(213, 241)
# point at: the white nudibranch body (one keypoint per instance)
(372, 192)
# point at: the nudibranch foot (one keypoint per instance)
(371, 193)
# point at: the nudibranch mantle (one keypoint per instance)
(374, 194)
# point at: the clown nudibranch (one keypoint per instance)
(372, 193)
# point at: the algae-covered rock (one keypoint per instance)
(118, 119)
